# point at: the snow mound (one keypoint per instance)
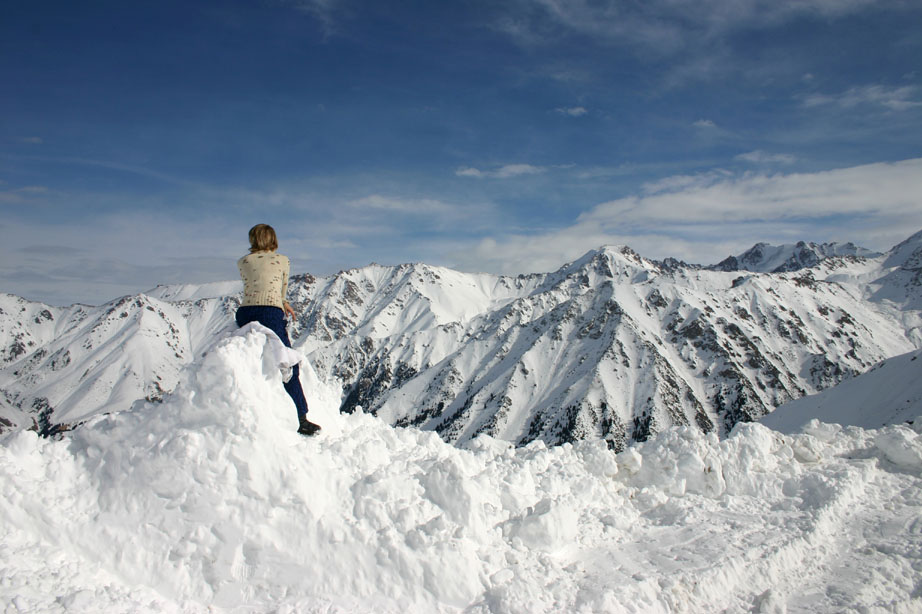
(211, 502)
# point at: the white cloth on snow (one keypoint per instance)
(286, 357)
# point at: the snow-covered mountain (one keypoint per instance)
(612, 346)
(62, 365)
(765, 258)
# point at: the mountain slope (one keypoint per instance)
(889, 393)
(902, 285)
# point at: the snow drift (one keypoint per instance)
(210, 502)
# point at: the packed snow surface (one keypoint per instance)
(211, 502)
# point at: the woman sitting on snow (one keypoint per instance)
(265, 283)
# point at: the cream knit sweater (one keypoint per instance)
(265, 278)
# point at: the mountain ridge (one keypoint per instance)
(612, 345)
(765, 258)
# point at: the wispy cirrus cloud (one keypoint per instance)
(679, 183)
(132, 169)
(503, 172)
(665, 25)
(899, 98)
(697, 39)
(324, 11)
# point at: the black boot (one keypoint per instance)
(306, 427)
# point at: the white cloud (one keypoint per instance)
(572, 111)
(503, 172)
(760, 157)
(870, 189)
(707, 217)
(892, 98)
(466, 171)
(704, 123)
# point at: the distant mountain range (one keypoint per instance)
(613, 345)
(765, 258)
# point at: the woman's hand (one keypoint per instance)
(286, 307)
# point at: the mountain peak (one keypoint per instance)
(605, 262)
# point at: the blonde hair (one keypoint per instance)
(263, 239)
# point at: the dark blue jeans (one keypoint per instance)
(274, 318)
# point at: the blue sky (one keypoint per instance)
(139, 141)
